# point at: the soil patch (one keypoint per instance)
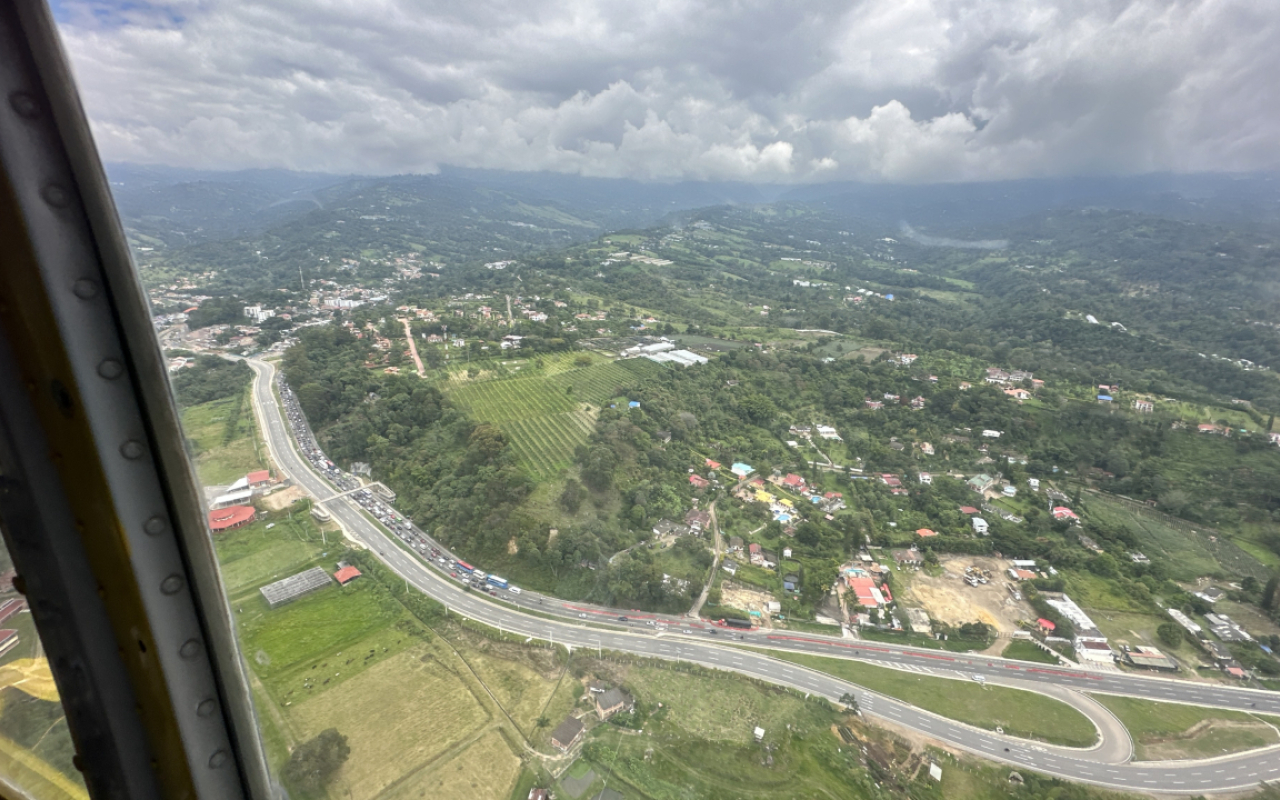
(738, 596)
(282, 499)
(949, 599)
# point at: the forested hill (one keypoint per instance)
(258, 227)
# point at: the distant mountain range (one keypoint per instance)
(173, 207)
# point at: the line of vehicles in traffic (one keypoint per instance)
(432, 552)
(392, 520)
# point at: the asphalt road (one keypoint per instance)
(676, 638)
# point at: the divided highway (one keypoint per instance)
(662, 636)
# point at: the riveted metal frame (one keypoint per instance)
(97, 500)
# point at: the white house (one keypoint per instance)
(979, 525)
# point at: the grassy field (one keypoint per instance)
(1187, 551)
(223, 438)
(1170, 731)
(1020, 713)
(303, 643)
(397, 716)
(1186, 554)
(547, 416)
(253, 555)
(36, 750)
(1136, 628)
(700, 744)
(1026, 651)
(485, 768)
(439, 712)
(523, 680)
(1095, 593)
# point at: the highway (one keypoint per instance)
(580, 626)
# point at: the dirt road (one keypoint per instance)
(413, 348)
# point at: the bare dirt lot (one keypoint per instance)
(283, 498)
(949, 599)
(738, 596)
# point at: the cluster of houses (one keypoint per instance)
(1223, 627)
(997, 375)
(918, 402)
(607, 702)
(782, 508)
(823, 431)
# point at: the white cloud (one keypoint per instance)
(901, 90)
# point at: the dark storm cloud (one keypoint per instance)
(900, 90)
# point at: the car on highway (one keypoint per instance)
(453, 574)
(582, 616)
(622, 619)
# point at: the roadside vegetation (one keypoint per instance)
(1168, 731)
(1026, 651)
(1017, 712)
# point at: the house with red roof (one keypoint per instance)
(864, 588)
(227, 519)
(699, 482)
(970, 510)
(1046, 626)
(346, 575)
(713, 464)
(925, 532)
(258, 479)
(1062, 512)
(793, 481)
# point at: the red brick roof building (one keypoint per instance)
(346, 575)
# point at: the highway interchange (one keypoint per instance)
(1106, 764)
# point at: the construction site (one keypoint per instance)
(970, 589)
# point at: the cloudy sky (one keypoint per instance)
(790, 91)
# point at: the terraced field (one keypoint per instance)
(546, 417)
